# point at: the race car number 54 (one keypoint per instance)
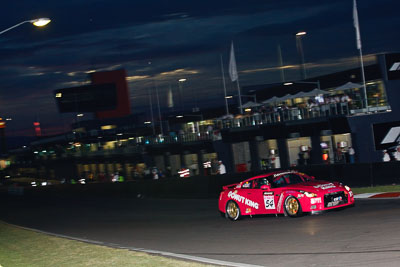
(269, 202)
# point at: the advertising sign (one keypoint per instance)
(393, 66)
(386, 135)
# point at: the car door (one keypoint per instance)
(278, 185)
(265, 195)
(253, 201)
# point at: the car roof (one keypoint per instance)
(277, 173)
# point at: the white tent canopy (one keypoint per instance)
(347, 86)
(298, 95)
(285, 97)
(251, 104)
(273, 99)
(315, 92)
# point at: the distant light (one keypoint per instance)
(228, 97)
(247, 109)
(40, 22)
(119, 134)
(79, 115)
(287, 83)
(179, 116)
(36, 152)
(44, 183)
(147, 122)
(8, 119)
(301, 33)
(59, 95)
(182, 80)
(108, 127)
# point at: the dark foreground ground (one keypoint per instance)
(365, 235)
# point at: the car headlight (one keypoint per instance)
(308, 194)
(347, 188)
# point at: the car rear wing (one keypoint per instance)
(230, 186)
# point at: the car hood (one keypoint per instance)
(317, 187)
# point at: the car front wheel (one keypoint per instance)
(293, 207)
(232, 210)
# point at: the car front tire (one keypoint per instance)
(232, 211)
(293, 207)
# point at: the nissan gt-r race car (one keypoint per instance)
(285, 192)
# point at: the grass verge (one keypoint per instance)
(376, 189)
(21, 247)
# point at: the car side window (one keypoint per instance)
(247, 185)
(294, 178)
(257, 183)
(279, 181)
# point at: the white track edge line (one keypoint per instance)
(149, 251)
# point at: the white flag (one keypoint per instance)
(356, 25)
(170, 98)
(232, 66)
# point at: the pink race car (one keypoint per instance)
(286, 192)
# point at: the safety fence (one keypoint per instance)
(354, 175)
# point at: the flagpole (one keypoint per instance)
(240, 96)
(281, 63)
(234, 75)
(363, 77)
(159, 110)
(358, 40)
(151, 112)
(170, 99)
(223, 82)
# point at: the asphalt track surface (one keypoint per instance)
(365, 235)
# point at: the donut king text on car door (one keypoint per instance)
(242, 199)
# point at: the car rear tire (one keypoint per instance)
(293, 207)
(232, 211)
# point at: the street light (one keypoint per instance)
(301, 53)
(36, 22)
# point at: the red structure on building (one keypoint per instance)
(118, 77)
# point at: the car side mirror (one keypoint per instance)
(265, 187)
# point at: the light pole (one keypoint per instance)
(299, 45)
(37, 22)
(40, 22)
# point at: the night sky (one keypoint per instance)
(159, 42)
